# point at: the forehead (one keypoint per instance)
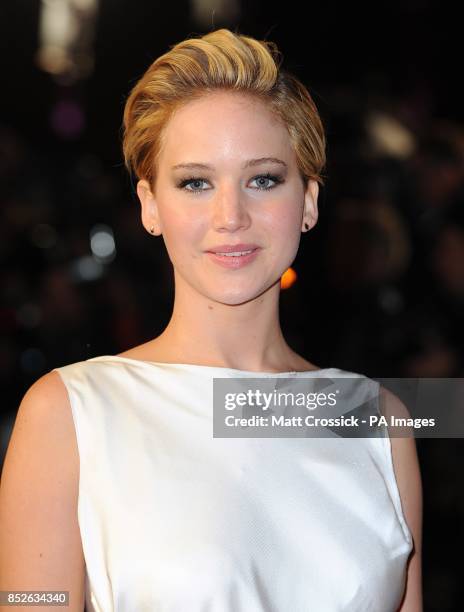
(225, 124)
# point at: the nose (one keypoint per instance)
(230, 212)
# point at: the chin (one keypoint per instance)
(231, 301)
(239, 296)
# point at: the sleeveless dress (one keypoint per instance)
(173, 519)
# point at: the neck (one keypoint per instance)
(244, 336)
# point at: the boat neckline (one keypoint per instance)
(210, 367)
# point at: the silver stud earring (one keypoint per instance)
(152, 229)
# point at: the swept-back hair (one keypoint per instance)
(219, 60)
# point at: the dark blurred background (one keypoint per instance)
(379, 283)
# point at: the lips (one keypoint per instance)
(233, 248)
(234, 260)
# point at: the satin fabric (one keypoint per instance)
(174, 520)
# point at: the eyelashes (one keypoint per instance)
(275, 178)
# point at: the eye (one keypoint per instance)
(262, 179)
(195, 180)
(267, 177)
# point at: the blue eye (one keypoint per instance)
(193, 179)
(266, 177)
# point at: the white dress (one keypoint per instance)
(175, 520)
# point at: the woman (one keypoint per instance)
(114, 487)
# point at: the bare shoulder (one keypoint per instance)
(48, 394)
(152, 350)
(44, 416)
(408, 477)
(40, 545)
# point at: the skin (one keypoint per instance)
(408, 477)
(224, 317)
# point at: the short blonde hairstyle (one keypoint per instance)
(219, 60)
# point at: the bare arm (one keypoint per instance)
(40, 544)
(408, 477)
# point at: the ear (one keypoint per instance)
(310, 213)
(150, 215)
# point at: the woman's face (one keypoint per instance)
(214, 188)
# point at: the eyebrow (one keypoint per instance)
(247, 164)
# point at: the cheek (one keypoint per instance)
(284, 223)
(182, 233)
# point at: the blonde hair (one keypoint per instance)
(219, 60)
